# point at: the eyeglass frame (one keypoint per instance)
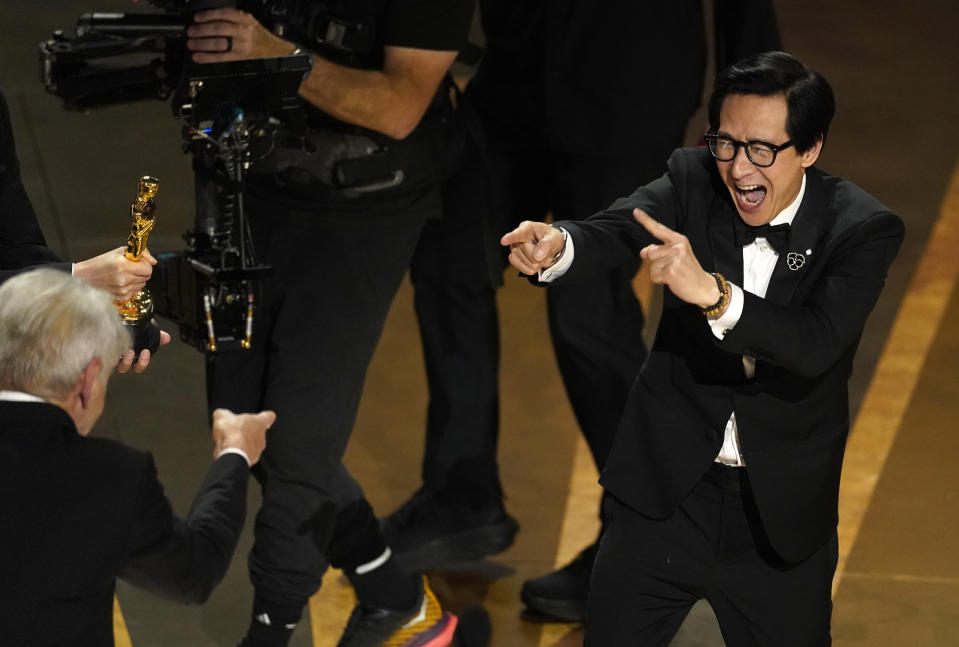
(709, 137)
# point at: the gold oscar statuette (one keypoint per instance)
(137, 313)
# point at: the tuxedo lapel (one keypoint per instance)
(727, 256)
(810, 226)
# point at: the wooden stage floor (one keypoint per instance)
(895, 69)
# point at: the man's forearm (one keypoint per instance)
(183, 560)
(390, 101)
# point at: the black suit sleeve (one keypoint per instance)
(183, 560)
(21, 242)
(808, 339)
(612, 236)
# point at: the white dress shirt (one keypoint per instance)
(19, 396)
(759, 259)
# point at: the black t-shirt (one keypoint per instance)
(427, 24)
(437, 25)
(420, 24)
(440, 25)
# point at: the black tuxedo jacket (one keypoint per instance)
(77, 512)
(793, 415)
(21, 242)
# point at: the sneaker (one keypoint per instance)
(425, 534)
(424, 625)
(562, 594)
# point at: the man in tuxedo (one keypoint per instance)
(570, 110)
(78, 512)
(23, 247)
(723, 479)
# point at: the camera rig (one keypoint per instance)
(113, 57)
(210, 289)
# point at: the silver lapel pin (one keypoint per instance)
(795, 260)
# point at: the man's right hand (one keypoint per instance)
(113, 272)
(244, 431)
(533, 246)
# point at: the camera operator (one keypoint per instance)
(337, 216)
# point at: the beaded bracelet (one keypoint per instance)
(720, 306)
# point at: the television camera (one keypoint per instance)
(211, 288)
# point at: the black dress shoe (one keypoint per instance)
(430, 531)
(474, 629)
(562, 594)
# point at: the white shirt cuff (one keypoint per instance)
(728, 320)
(559, 268)
(234, 450)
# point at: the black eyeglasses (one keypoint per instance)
(759, 153)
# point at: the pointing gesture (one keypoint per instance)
(673, 264)
(533, 246)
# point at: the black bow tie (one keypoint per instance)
(776, 235)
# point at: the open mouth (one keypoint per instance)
(751, 196)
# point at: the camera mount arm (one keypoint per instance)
(113, 58)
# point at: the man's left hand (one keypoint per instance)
(674, 264)
(232, 35)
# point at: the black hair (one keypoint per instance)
(809, 99)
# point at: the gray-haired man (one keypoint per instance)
(78, 512)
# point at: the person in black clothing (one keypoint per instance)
(577, 103)
(338, 224)
(78, 512)
(23, 247)
(723, 480)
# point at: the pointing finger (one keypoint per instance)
(656, 228)
(524, 233)
(510, 239)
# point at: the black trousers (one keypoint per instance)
(649, 572)
(336, 271)
(596, 327)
